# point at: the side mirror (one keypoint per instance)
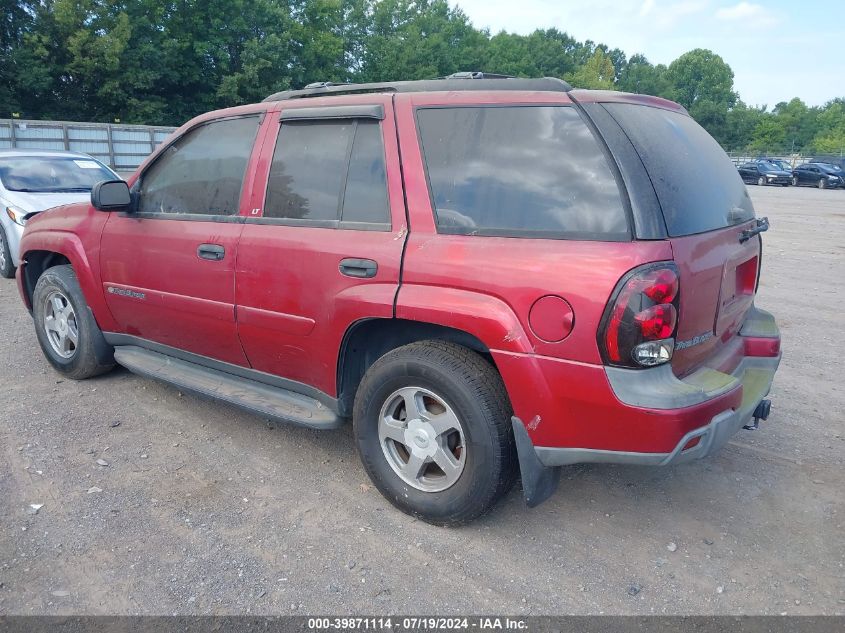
(109, 195)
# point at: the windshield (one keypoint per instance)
(50, 174)
(768, 166)
(828, 169)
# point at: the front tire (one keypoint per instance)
(7, 266)
(65, 326)
(432, 423)
(822, 184)
(761, 181)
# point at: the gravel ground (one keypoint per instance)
(156, 502)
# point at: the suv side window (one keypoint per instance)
(519, 171)
(202, 172)
(329, 173)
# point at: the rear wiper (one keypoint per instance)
(759, 227)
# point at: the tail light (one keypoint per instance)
(639, 323)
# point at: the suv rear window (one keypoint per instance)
(696, 183)
(519, 171)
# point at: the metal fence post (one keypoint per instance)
(112, 163)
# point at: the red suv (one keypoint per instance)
(490, 277)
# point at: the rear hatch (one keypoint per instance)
(706, 207)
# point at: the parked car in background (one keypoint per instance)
(819, 175)
(488, 277)
(779, 162)
(762, 172)
(836, 169)
(32, 181)
(838, 161)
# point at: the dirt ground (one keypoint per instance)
(204, 509)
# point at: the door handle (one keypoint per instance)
(213, 252)
(361, 268)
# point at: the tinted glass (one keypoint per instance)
(202, 172)
(365, 198)
(519, 171)
(697, 185)
(309, 176)
(52, 174)
(309, 165)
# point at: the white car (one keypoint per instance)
(32, 181)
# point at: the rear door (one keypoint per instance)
(168, 267)
(705, 207)
(323, 248)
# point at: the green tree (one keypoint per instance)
(640, 76)
(798, 121)
(740, 123)
(597, 73)
(419, 40)
(165, 61)
(703, 83)
(769, 135)
(702, 76)
(831, 135)
(17, 20)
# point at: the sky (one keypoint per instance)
(778, 49)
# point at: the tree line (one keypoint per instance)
(165, 61)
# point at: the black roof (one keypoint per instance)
(458, 82)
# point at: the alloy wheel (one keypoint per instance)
(60, 324)
(422, 439)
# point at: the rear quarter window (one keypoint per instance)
(519, 171)
(698, 187)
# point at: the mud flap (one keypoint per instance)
(539, 482)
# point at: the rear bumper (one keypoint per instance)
(754, 375)
(648, 417)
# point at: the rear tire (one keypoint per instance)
(430, 403)
(65, 326)
(794, 181)
(7, 266)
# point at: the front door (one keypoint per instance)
(168, 266)
(326, 248)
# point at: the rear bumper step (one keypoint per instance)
(264, 400)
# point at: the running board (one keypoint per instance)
(264, 400)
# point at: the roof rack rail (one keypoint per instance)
(454, 82)
(477, 75)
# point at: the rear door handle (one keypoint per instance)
(361, 268)
(213, 252)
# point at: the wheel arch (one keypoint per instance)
(43, 250)
(37, 262)
(367, 340)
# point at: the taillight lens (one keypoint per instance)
(639, 324)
